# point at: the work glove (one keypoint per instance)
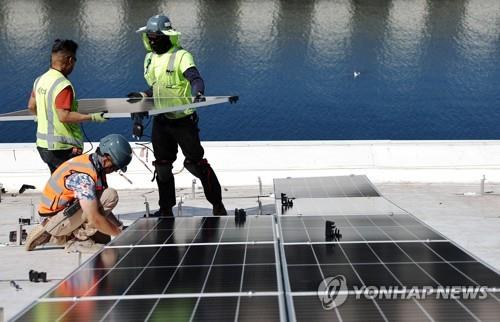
(98, 117)
(134, 97)
(199, 98)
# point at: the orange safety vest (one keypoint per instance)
(56, 196)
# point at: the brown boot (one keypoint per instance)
(37, 236)
(219, 210)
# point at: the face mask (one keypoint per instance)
(160, 44)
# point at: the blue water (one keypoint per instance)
(427, 69)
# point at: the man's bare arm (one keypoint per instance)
(32, 105)
(66, 116)
(96, 218)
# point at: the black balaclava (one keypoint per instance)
(160, 44)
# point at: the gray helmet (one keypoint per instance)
(118, 148)
(159, 24)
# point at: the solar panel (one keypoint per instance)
(325, 187)
(392, 252)
(123, 107)
(175, 269)
(269, 268)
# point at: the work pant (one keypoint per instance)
(54, 158)
(167, 134)
(62, 227)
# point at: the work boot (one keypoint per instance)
(37, 236)
(162, 213)
(219, 210)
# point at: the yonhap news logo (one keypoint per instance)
(332, 292)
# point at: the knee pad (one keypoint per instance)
(163, 170)
(198, 169)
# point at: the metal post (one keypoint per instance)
(146, 203)
(482, 184)
(260, 205)
(19, 236)
(1, 308)
(79, 257)
(260, 186)
(1, 190)
(32, 211)
(179, 208)
(193, 189)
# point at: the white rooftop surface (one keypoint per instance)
(447, 198)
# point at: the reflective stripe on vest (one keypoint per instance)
(171, 61)
(170, 87)
(54, 136)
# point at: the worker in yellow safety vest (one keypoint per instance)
(59, 136)
(173, 78)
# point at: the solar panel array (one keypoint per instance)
(269, 268)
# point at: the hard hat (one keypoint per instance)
(159, 24)
(118, 148)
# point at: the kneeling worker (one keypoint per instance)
(76, 201)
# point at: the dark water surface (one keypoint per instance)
(429, 69)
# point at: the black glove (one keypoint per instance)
(134, 97)
(199, 98)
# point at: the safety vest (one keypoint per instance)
(51, 133)
(170, 87)
(56, 196)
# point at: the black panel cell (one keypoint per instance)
(260, 278)
(168, 256)
(309, 308)
(486, 309)
(424, 233)
(131, 310)
(173, 310)
(446, 275)
(188, 280)
(133, 237)
(481, 274)
(445, 310)
(48, 311)
(107, 258)
(360, 221)
(137, 257)
(260, 254)
(375, 275)
(199, 255)
(402, 310)
(399, 233)
(79, 283)
(230, 254)
(411, 275)
(389, 253)
(236, 235)
(372, 234)
(299, 254)
(260, 234)
(182, 236)
(153, 237)
(329, 254)
(359, 253)
(152, 281)
(419, 252)
(216, 308)
(262, 308)
(345, 270)
(450, 252)
(224, 279)
(295, 235)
